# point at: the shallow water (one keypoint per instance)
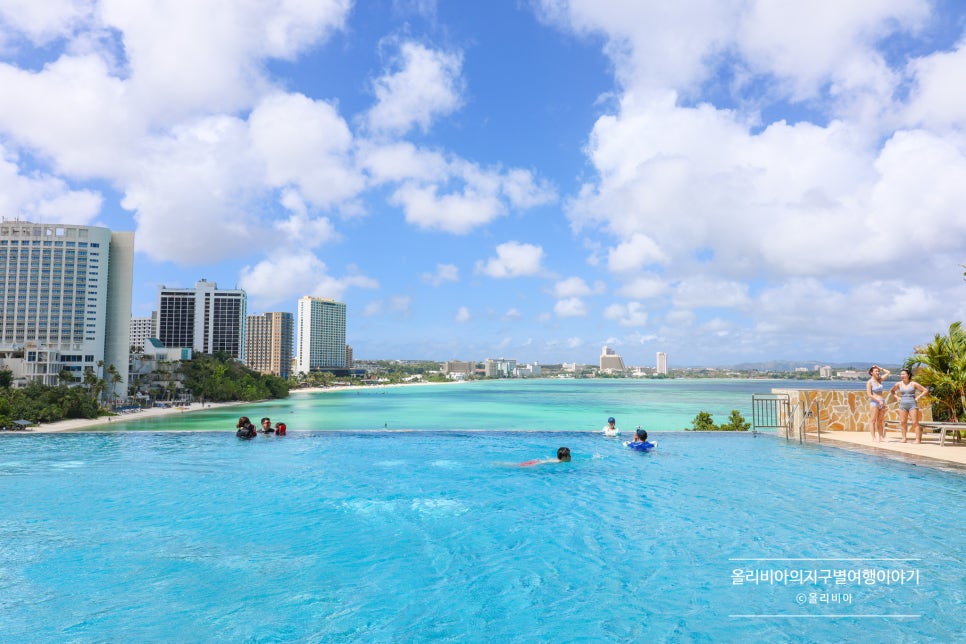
(418, 536)
(540, 404)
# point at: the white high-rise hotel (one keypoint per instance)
(320, 335)
(661, 363)
(65, 300)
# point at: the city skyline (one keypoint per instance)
(726, 183)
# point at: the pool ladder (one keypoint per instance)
(807, 413)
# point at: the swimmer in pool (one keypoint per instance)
(563, 456)
(640, 442)
(610, 429)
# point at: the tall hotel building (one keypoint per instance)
(142, 329)
(65, 300)
(205, 318)
(321, 334)
(661, 363)
(268, 343)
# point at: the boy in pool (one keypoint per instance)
(610, 429)
(640, 442)
(563, 456)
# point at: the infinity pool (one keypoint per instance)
(437, 536)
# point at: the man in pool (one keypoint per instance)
(563, 456)
(267, 426)
(640, 442)
(610, 429)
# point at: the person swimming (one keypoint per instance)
(640, 442)
(563, 456)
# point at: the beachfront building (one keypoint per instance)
(206, 318)
(610, 361)
(65, 301)
(458, 369)
(499, 368)
(661, 369)
(154, 370)
(269, 340)
(531, 370)
(320, 344)
(825, 372)
(142, 328)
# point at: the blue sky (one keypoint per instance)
(722, 181)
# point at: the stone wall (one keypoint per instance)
(838, 410)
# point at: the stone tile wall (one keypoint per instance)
(838, 410)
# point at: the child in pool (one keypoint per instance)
(563, 456)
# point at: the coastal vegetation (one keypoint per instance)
(43, 404)
(704, 422)
(219, 378)
(940, 366)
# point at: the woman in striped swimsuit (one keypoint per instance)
(877, 404)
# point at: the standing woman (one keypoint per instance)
(877, 406)
(909, 394)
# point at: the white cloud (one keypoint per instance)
(575, 287)
(306, 144)
(453, 213)
(304, 274)
(938, 98)
(635, 253)
(643, 287)
(631, 314)
(462, 315)
(512, 314)
(702, 292)
(444, 273)
(399, 161)
(570, 308)
(426, 84)
(41, 197)
(513, 259)
(42, 22)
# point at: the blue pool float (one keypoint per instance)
(641, 446)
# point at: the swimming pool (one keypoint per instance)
(426, 536)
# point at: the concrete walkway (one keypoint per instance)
(927, 453)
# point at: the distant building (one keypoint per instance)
(499, 368)
(269, 340)
(206, 318)
(825, 372)
(142, 329)
(801, 369)
(610, 361)
(320, 335)
(453, 367)
(528, 371)
(849, 374)
(661, 368)
(65, 301)
(348, 357)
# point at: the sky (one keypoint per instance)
(724, 181)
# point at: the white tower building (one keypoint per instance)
(320, 335)
(65, 301)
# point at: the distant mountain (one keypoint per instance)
(789, 365)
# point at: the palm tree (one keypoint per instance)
(942, 368)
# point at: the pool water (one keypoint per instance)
(438, 536)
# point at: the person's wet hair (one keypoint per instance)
(563, 454)
(641, 435)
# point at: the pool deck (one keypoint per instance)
(929, 450)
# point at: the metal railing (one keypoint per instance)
(771, 411)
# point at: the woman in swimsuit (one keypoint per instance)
(877, 404)
(909, 393)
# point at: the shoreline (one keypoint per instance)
(82, 424)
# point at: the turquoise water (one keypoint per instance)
(427, 536)
(332, 536)
(542, 404)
